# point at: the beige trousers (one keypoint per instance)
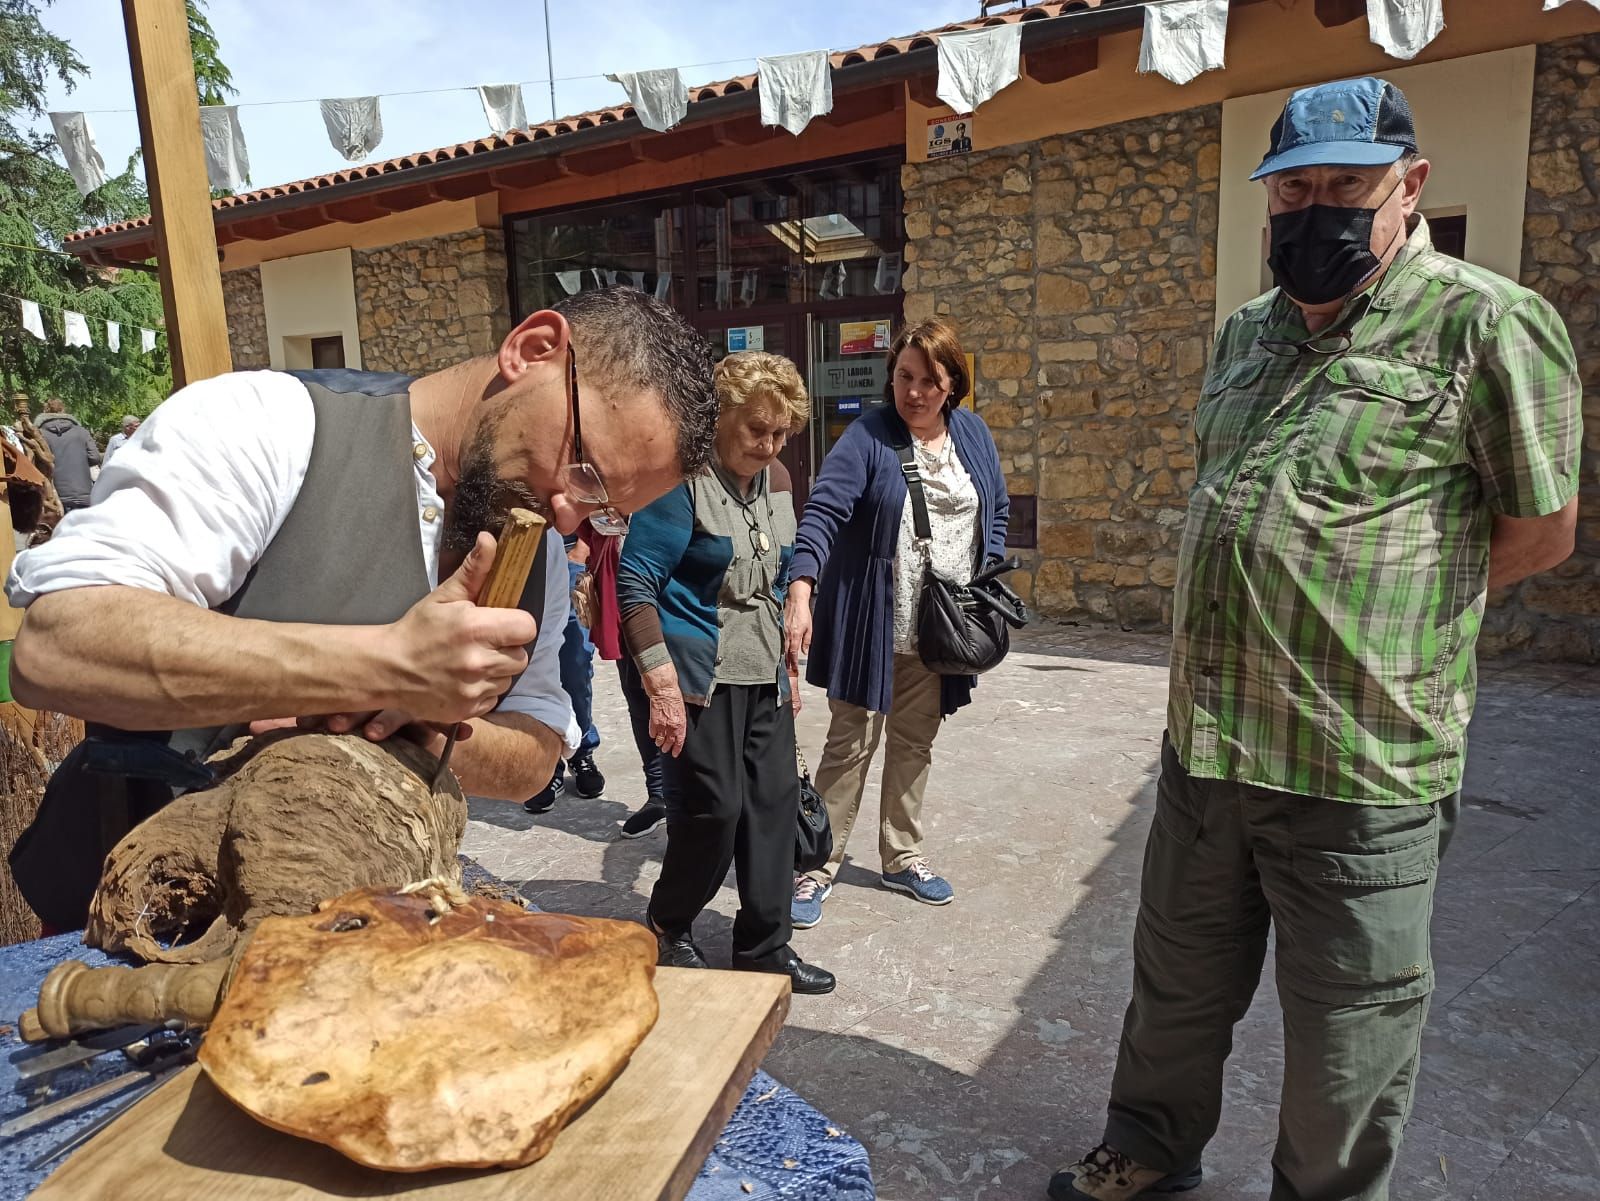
(913, 721)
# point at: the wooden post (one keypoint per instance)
(180, 195)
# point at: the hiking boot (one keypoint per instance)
(586, 777)
(650, 815)
(917, 880)
(545, 799)
(805, 909)
(1106, 1174)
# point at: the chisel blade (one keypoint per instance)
(33, 1064)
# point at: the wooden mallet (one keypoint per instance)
(515, 553)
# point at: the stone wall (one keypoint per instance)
(1081, 272)
(247, 318)
(426, 304)
(1557, 615)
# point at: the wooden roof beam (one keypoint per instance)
(1065, 61)
(1340, 12)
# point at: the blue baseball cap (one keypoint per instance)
(1351, 123)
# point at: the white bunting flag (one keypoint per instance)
(77, 330)
(974, 65)
(795, 89)
(1184, 39)
(76, 140)
(659, 98)
(502, 105)
(636, 280)
(355, 125)
(663, 285)
(31, 320)
(571, 281)
(1550, 6)
(227, 160)
(113, 336)
(1404, 27)
(147, 341)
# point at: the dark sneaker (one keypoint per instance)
(919, 881)
(805, 906)
(544, 800)
(678, 950)
(586, 777)
(651, 814)
(804, 978)
(1106, 1174)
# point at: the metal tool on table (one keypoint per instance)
(165, 1056)
(515, 553)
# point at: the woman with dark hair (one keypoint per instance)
(858, 551)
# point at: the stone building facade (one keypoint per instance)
(426, 304)
(247, 318)
(1080, 270)
(1557, 615)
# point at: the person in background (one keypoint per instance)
(130, 426)
(75, 452)
(596, 598)
(701, 587)
(858, 551)
(1380, 438)
(577, 680)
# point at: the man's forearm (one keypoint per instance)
(1523, 546)
(140, 660)
(509, 757)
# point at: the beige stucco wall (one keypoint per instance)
(309, 296)
(1473, 118)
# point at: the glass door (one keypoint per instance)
(848, 371)
(778, 335)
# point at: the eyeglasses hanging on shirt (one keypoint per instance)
(1325, 345)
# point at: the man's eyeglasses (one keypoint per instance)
(1326, 345)
(579, 479)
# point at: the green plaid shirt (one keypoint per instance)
(1333, 568)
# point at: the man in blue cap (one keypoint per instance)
(1382, 437)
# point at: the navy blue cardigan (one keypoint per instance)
(847, 541)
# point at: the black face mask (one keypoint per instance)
(1323, 253)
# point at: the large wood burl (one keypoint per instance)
(424, 1029)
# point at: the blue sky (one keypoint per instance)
(289, 49)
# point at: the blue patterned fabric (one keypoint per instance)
(771, 1129)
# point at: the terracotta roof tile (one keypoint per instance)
(606, 116)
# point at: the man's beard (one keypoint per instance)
(482, 499)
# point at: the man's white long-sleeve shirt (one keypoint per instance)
(195, 497)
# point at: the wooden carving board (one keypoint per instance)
(643, 1139)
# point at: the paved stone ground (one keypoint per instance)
(970, 1047)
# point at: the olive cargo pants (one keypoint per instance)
(1350, 889)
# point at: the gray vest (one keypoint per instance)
(348, 552)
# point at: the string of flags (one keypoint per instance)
(75, 329)
(1182, 40)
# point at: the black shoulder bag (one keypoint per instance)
(962, 629)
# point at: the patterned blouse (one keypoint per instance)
(952, 519)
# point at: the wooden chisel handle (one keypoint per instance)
(515, 552)
(76, 997)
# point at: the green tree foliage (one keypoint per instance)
(212, 78)
(40, 206)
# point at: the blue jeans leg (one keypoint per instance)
(577, 673)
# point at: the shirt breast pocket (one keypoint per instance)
(1379, 426)
(1231, 411)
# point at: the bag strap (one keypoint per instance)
(913, 478)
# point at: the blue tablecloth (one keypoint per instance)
(772, 1125)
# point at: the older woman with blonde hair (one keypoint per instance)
(701, 588)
